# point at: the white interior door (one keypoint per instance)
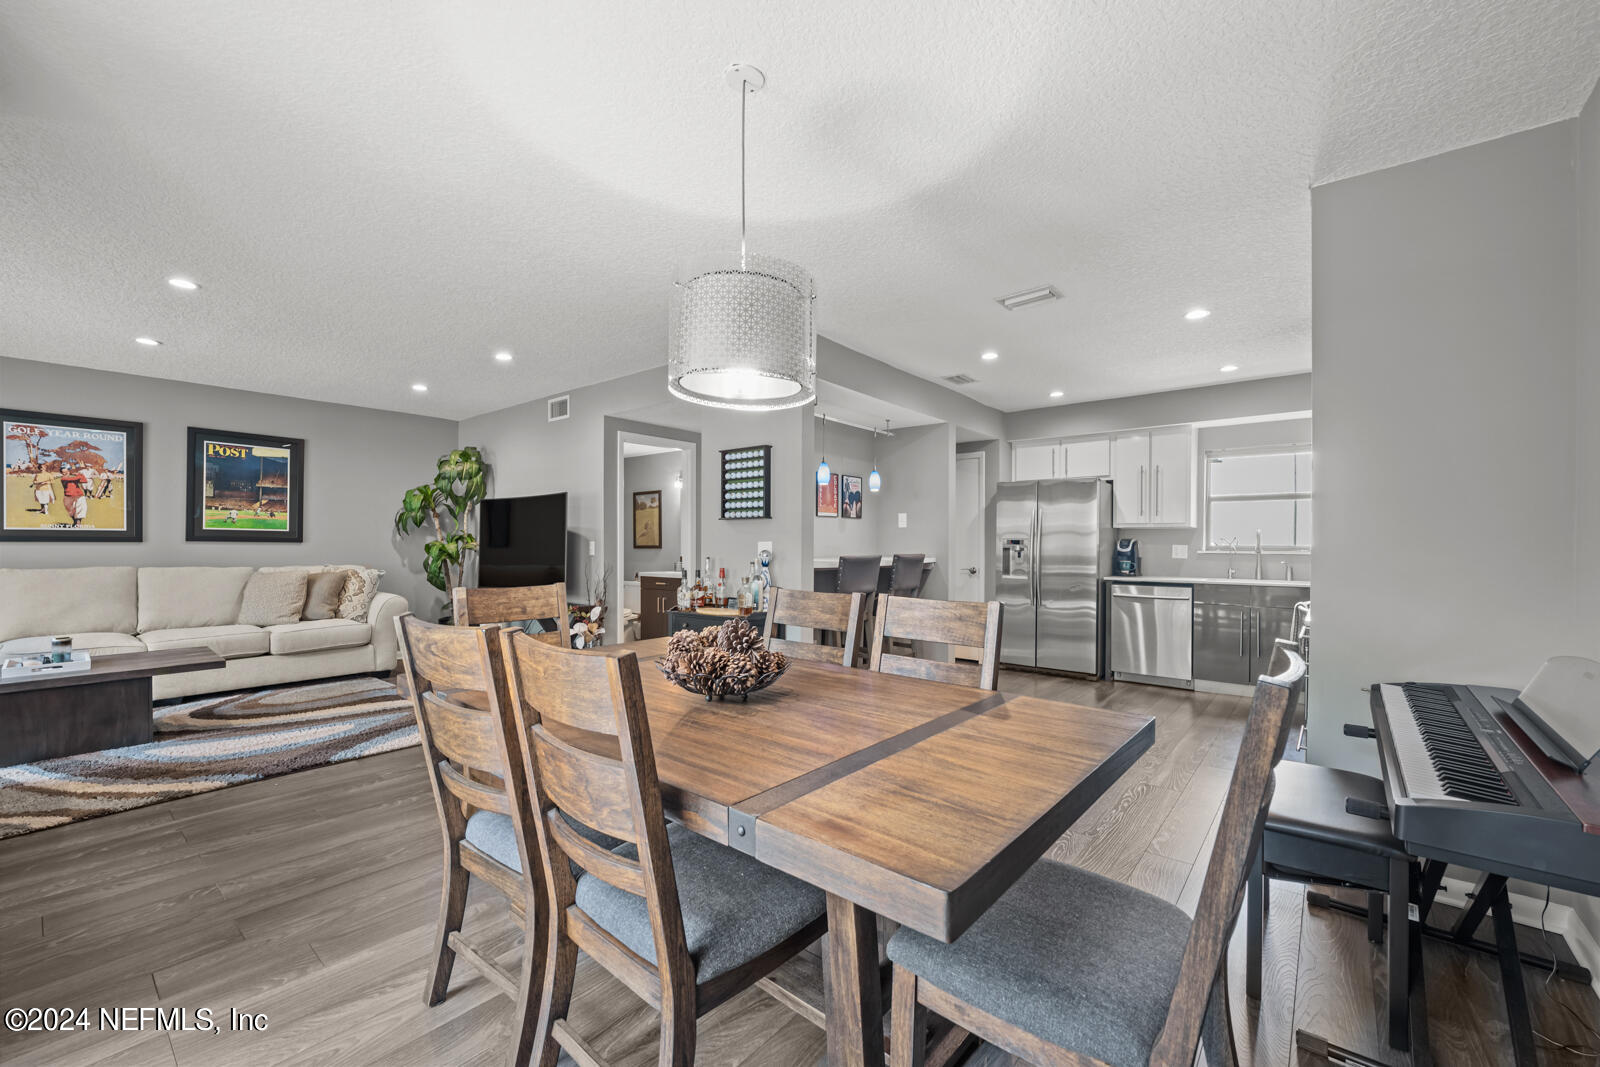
(967, 556)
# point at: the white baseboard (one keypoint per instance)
(1560, 920)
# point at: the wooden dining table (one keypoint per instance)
(913, 800)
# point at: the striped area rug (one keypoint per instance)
(211, 743)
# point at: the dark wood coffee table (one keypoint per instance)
(106, 706)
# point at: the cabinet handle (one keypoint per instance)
(1258, 632)
(1244, 614)
(1155, 495)
(1141, 488)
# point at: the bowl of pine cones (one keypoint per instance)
(722, 661)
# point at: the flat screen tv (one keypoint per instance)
(522, 540)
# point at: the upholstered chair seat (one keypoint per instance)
(1082, 961)
(735, 908)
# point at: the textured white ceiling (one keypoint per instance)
(375, 193)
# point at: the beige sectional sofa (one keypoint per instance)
(108, 610)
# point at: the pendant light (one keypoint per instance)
(823, 473)
(743, 332)
(875, 480)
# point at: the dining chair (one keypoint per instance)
(485, 813)
(839, 613)
(486, 606)
(950, 622)
(1069, 968)
(682, 921)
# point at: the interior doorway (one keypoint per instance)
(968, 570)
(657, 515)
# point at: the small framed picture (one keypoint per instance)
(850, 496)
(70, 478)
(245, 487)
(647, 519)
(828, 498)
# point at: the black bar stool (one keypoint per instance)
(859, 574)
(905, 579)
(905, 574)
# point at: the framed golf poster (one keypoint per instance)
(245, 487)
(69, 478)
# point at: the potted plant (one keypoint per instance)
(448, 503)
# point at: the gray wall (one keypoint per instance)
(922, 460)
(1233, 400)
(1586, 394)
(358, 464)
(849, 451)
(1446, 306)
(576, 455)
(643, 474)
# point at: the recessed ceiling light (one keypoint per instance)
(148, 342)
(1228, 368)
(1056, 394)
(1196, 314)
(419, 387)
(188, 285)
(990, 356)
(503, 356)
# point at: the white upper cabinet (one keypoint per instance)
(1130, 477)
(1088, 457)
(1154, 477)
(1033, 461)
(1172, 475)
(1075, 457)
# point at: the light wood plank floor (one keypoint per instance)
(311, 899)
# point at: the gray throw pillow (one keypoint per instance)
(272, 598)
(323, 590)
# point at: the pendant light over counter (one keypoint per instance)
(823, 473)
(743, 331)
(875, 480)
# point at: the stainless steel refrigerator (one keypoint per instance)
(1055, 544)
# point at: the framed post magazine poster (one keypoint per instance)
(71, 478)
(245, 487)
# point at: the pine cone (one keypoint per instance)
(737, 636)
(741, 673)
(685, 641)
(768, 662)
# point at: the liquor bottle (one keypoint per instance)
(696, 593)
(722, 587)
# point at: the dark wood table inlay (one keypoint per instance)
(918, 801)
(106, 706)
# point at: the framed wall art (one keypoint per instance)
(850, 496)
(647, 519)
(71, 478)
(828, 498)
(245, 487)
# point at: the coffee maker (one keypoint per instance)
(1125, 558)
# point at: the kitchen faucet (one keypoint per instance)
(1232, 545)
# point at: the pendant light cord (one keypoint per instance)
(744, 93)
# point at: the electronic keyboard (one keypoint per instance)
(1467, 784)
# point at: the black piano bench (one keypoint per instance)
(1311, 835)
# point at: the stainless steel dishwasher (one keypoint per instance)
(1152, 629)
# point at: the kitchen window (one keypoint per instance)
(1265, 489)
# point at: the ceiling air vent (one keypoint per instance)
(1028, 296)
(960, 379)
(560, 407)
